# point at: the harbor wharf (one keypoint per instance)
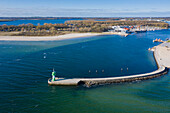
(161, 55)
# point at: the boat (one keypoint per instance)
(140, 31)
(158, 40)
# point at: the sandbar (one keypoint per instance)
(47, 38)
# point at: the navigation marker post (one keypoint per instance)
(53, 75)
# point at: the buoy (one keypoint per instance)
(127, 68)
(89, 71)
(121, 69)
(96, 71)
(102, 70)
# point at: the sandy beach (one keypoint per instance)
(162, 52)
(47, 38)
(51, 38)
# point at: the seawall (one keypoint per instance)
(161, 59)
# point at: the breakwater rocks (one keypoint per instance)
(90, 83)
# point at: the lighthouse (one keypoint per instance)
(53, 75)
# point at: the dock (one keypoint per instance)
(161, 55)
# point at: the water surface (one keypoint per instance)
(25, 68)
(36, 22)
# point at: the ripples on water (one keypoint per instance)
(25, 68)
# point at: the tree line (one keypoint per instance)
(73, 26)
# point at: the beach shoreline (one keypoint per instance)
(54, 38)
(47, 38)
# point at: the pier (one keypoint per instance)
(161, 55)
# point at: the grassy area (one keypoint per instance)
(8, 33)
(168, 41)
(40, 33)
(5, 20)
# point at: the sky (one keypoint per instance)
(85, 8)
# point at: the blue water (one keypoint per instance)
(36, 22)
(25, 68)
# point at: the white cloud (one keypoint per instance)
(62, 12)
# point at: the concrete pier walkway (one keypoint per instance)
(161, 55)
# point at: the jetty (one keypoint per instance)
(161, 55)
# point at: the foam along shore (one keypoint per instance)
(47, 38)
(161, 55)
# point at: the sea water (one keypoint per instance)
(26, 66)
(36, 22)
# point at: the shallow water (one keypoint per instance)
(25, 68)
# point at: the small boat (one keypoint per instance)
(140, 31)
(158, 40)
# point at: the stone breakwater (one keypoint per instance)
(101, 81)
(161, 55)
(89, 83)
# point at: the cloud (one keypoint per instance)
(63, 12)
